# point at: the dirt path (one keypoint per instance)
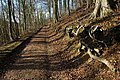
(32, 62)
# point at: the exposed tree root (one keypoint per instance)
(107, 63)
(85, 49)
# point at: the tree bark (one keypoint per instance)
(60, 7)
(16, 23)
(65, 6)
(24, 13)
(68, 7)
(10, 20)
(55, 2)
(102, 9)
(49, 8)
(106, 9)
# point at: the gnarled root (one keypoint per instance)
(107, 63)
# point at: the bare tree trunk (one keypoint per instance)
(55, 2)
(16, 23)
(65, 6)
(106, 9)
(102, 9)
(5, 29)
(60, 7)
(20, 27)
(24, 13)
(72, 4)
(10, 20)
(68, 7)
(49, 8)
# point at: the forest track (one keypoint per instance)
(33, 57)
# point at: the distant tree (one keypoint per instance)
(68, 2)
(65, 6)
(49, 8)
(72, 2)
(55, 3)
(60, 7)
(4, 36)
(10, 20)
(15, 21)
(24, 13)
(19, 17)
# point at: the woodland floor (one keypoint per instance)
(50, 56)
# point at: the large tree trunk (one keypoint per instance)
(102, 9)
(105, 8)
